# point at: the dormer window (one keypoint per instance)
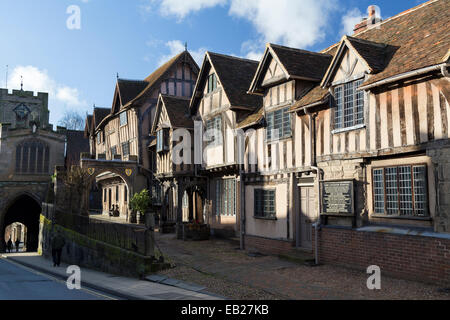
(349, 106)
(162, 140)
(212, 82)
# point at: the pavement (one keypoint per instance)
(21, 283)
(119, 286)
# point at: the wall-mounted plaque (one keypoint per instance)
(337, 197)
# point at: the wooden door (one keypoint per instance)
(307, 215)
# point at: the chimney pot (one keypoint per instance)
(370, 20)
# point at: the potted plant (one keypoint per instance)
(139, 203)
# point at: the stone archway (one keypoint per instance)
(24, 208)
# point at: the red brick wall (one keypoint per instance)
(266, 245)
(411, 257)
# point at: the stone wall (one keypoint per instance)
(348, 170)
(87, 252)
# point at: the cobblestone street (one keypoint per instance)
(227, 271)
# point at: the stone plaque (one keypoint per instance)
(337, 197)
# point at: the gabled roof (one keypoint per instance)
(98, 115)
(134, 91)
(177, 109)
(234, 74)
(296, 64)
(414, 39)
(420, 36)
(155, 78)
(129, 89)
(371, 54)
(88, 126)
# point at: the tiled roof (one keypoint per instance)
(99, 114)
(374, 54)
(420, 36)
(235, 75)
(252, 119)
(316, 94)
(76, 144)
(301, 63)
(88, 125)
(178, 111)
(414, 39)
(129, 89)
(156, 76)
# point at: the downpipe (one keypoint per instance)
(317, 225)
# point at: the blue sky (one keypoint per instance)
(133, 37)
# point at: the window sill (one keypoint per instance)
(385, 216)
(264, 218)
(340, 130)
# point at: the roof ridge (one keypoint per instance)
(405, 12)
(232, 57)
(401, 14)
(131, 80)
(378, 44)
(298, 50)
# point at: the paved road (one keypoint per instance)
(21, 283)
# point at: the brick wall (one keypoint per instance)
(412, 257)
(266, 245)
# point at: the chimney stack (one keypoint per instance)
(368, 22)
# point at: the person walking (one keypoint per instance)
(58, 243)
(17, 243)
(9, 245)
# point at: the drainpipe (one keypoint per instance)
(319, 172)
(242, 208)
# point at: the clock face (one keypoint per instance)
(21, 111)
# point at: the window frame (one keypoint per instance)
(414, 215)
(282, 125)
(123, 115)
(211, 83)
(126, 143)
(162, 140)
(225, 190)
(340, 104)
(216, 120)
(270, 216)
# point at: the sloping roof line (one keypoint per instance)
(295, 63)
(414, 40)
(370, 53)
(234, 75)
(156, 76)
(177, 109)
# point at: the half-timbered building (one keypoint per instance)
(220, 101)
(122, 137)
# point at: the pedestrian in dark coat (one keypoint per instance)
(17, 243)
(58, 243)
(9, 245)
